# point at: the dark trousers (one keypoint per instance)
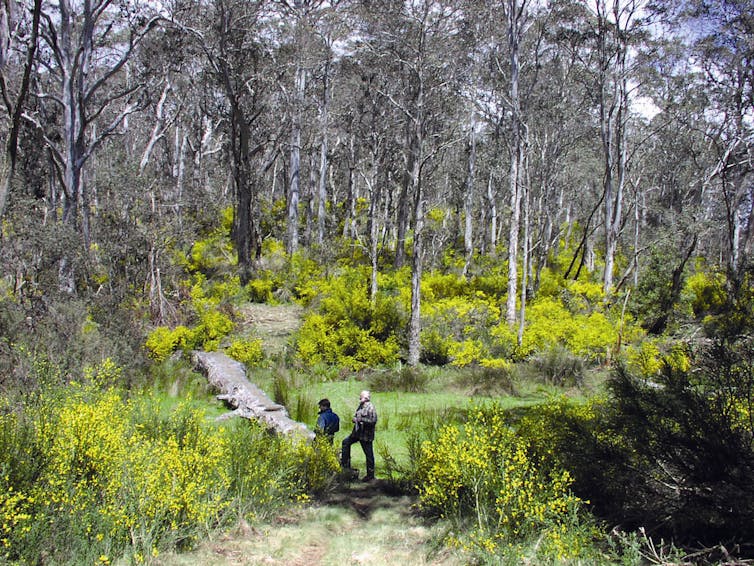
(345, 453)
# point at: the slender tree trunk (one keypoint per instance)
(515, 14)
(524, 270)
(414, 327)
(613, 102)
(14, 105)
(295, 172)
(373, 227)
(468, 201)
(322, 187)
(414, 186)
(492, 214)
(408, 184)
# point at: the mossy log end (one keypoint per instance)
(228, 378)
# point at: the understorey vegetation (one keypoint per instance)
(588, 440)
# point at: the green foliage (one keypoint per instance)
(246, 350)
(454, 330)
(461, 320)
(489, 380)
(163, 341)
(491, 280)
(551, 324)
(567, 434)
(216, 249)
(345, 345)
(694, 460)
(558, 366)
(208, 305)
(650, 356)
(347, 329)
(260, 290)
(705, 291)
(93, 476)
(483, 472)
(673, 455)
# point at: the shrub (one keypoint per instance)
(435, 348)
(491, 379)
(89, 476)
(345, 344)
(407, 379)
(483, 471)
(558, 366)
(216, 249)
(163, 341)
(649, 359)
(706, 293)
(692, 462)
(644, 359)
(260, 290)
(247, 351)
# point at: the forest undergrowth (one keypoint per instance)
(501, 450)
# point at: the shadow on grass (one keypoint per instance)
(364, 498)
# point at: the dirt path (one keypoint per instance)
(355, 524)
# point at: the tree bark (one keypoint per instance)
(248, 401)
(468, 200)
(14, 104)
(294, 188)
(516, 14)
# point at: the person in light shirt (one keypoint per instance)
(364, 422)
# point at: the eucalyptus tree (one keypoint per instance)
(177, 144)
(414, 41)
(334, 33)
(517, 19)
(367, 151)
(504, 100)
(19, 33)
(310, 28)
(724, 51)
(234, 37)
(560, 162)
(82, 64)
(704, 89)
(615, 27)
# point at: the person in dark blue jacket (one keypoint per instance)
(328, 423)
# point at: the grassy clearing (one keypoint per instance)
(404, 417)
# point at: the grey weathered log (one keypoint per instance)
(228, 377)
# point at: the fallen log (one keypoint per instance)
(228, 377)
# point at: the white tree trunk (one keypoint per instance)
(294, 186)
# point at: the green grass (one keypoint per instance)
(403, 416)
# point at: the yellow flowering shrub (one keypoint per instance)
(247, 351)
(483, 471)
(90, 475)
(163, 341)
(647, 358)
(348, 329)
